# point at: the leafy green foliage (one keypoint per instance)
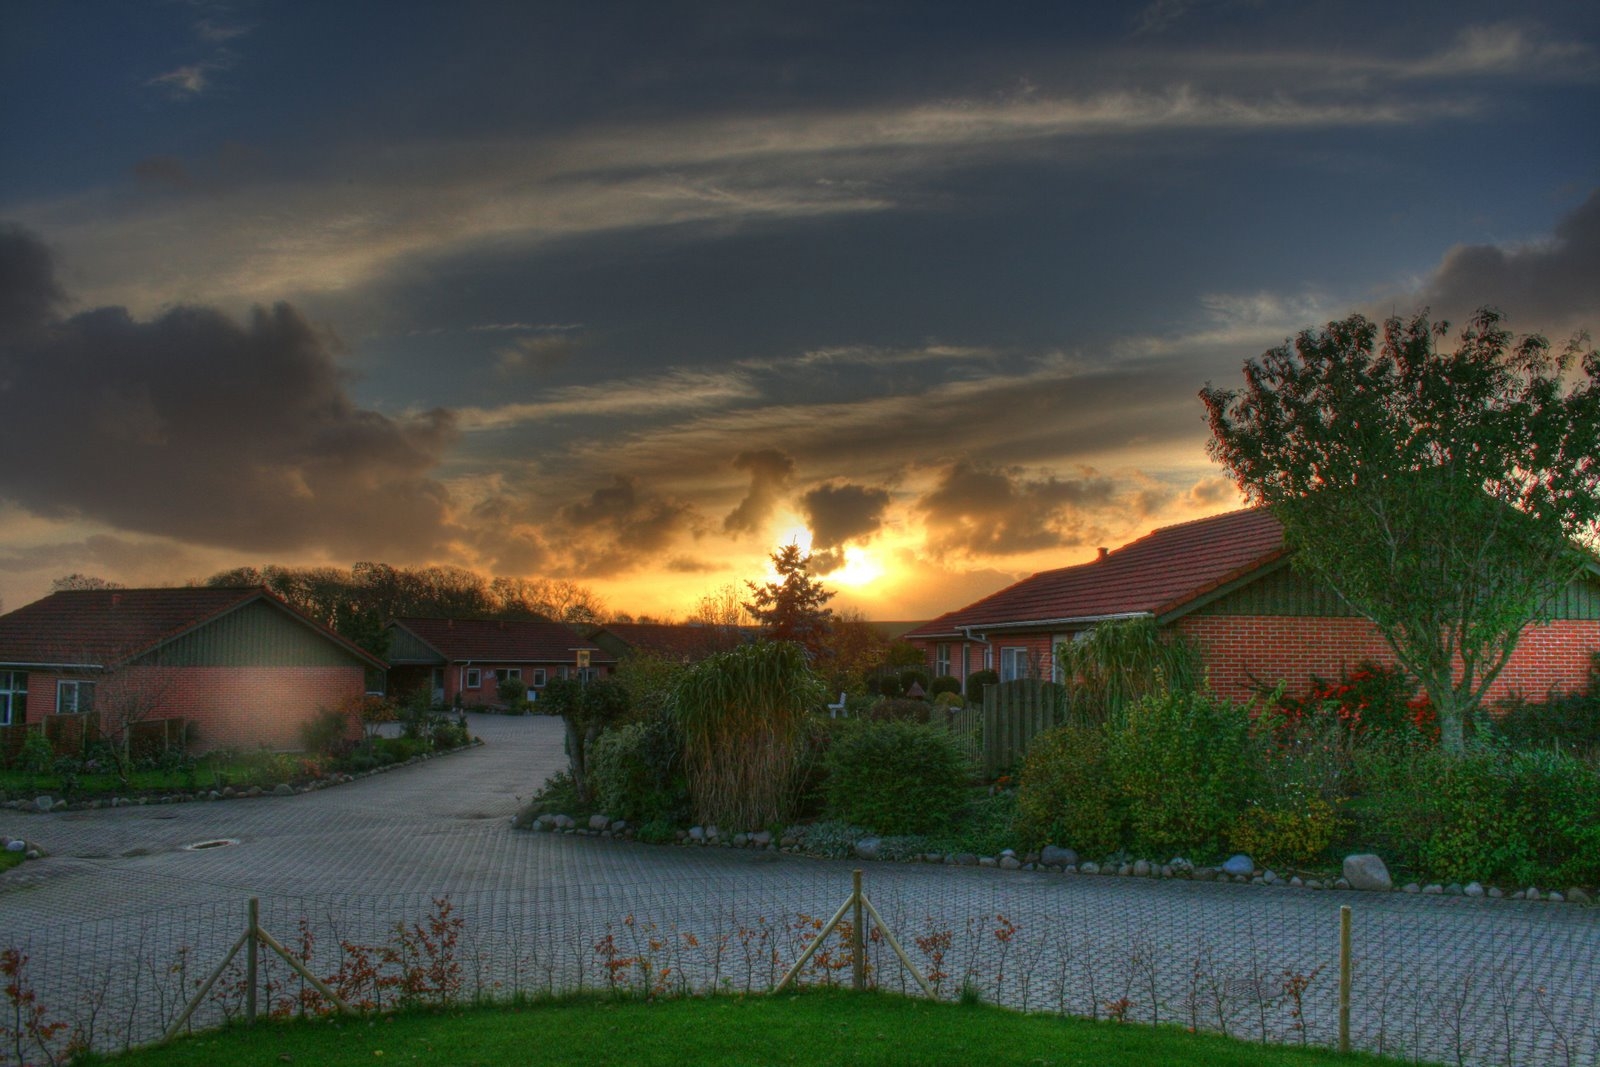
(1437, 493)
(1065, 795)
(1296, 832)
(587, 708)
(636, 773)
(1121, 661)
(327, 732)
(895, 777)
(649, 680)
(1570, 722)
(742, 716)
(1185, 765)
(513, 692)
(1529, 817)
(944, 684)
(914, 676)
(977, 680)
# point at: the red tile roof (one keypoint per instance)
(105, 627)
(1155, 575)
(502, 640)
(678, 640)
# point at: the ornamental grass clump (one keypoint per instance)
(741, 715)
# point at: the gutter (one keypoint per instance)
(57, 666)
(1044, 624)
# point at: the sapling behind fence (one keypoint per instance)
(1454, 980)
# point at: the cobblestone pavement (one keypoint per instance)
(1479, 980)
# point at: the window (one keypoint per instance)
(13, 697)
(474, 678)
(502, 673)
(74, 698)
(1013, 664)
(941, 660)
(539, 677)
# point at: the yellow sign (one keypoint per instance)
(583, 657)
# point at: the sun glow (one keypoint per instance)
(860, 568)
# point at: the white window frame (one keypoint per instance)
(474, 678)
(502, 673)
(941, 659)
(1014, 663)
(75, 687)
(9, 692)
(540, 676)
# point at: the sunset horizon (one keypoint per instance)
(633, 296)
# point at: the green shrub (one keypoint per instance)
(1184, 763)
(944, 684)
(977, 680)
(1064, 796)
(888, 685)
(636, 774)
(1286, 834)
(895, 777)
(1570, 722)
(327, 733)
(513, 692)
(37, 755)
(1489, 814)
(898, 709)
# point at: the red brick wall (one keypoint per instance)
(231, 707)
(1243, 652)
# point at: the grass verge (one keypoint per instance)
(816, 1028)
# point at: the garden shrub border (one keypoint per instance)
(34, 806)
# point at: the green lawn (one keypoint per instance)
(9, 860)
(814, 1029)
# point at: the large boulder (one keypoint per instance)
(1365, 870)
(1239, 866)
(1056, 856)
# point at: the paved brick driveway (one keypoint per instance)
(1437, 974)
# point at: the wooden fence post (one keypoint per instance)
(858, 943)
(1344, 978)
(251, 961)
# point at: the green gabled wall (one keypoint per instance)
(1580, 600)
(1284, 591)
(1279, 592)
(405, 647)
(256, 635)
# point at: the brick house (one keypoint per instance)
(1225, 583)
(463, 661)
(237, 666)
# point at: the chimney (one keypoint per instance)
(1103, 553)
(116, 599)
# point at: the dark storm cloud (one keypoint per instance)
(769, 471)
(201, 428)
(1546, 286)
(839, 513)
(29, 294)
(620, 527)
(993, 511)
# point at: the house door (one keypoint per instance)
(438, 685)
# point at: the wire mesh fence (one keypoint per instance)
(1435, 980)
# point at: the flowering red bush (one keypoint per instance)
(1369, 703)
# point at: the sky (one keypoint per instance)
(634, 294)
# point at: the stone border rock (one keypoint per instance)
(1362, 872)
(42, 805)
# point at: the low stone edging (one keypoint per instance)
(1362, 873)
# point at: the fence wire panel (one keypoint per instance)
(1452, 980)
